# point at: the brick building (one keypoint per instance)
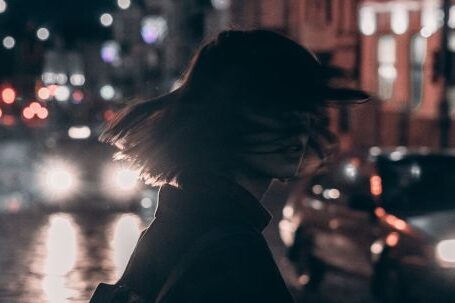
(389, 49)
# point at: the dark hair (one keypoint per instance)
(200, 125)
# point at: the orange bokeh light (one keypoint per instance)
(8, 95)
(44, 93)
(9, 120)
(52, 89)
(392, 239)
(375, 185)
(35, 107)
(380, 212)
(28, 113)
(42, 113)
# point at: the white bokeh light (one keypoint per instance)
(77, 79)
(106, 19)
(110, 52)
(61, 78)
(452, 17)
(3, 6)
(42, 33)
(221, 4)
(9, 42)
(153, 29)
(445, 251)
(62, 93)
(124, 4)
(107, 92)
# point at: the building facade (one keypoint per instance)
(389, 49)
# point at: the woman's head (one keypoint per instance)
(247, 97)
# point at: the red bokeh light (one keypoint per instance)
(108, 115)
(78, 96)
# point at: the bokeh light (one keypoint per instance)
(3, 6)
(124, 4)
(42, 33)
(77, 96)
(9, 42)
(62, 93)
(221, 4)
(110, 52)
(77, 79)
(107, 92)
(44, 93)
(154, 29)
(106, 19)
(8, 95)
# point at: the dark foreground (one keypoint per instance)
(61, 257)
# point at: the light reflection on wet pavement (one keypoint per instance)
(62, 257)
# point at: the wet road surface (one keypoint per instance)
(61, 257)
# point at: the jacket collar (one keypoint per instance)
(224, 197)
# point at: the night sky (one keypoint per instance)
(72, 20)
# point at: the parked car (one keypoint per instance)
(388, 216)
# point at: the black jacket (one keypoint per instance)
(205, 245)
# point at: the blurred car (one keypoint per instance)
(75, 171)
(389, 216)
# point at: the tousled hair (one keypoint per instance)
(200, 125)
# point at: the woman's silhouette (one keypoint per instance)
(250, 104)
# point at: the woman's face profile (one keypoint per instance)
(271, 151)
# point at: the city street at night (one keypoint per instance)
(61, 257)
(269, 151)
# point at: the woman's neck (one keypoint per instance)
(255, 186)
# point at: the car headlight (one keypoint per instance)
(120, 182)
(57, 179)
(445, 253)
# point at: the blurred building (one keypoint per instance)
(389, 48)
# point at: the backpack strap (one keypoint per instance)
(205, 242)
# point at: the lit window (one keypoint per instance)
(432, 18)
(367, 20)
(387, 72)
(400, 19)
(417, 57)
